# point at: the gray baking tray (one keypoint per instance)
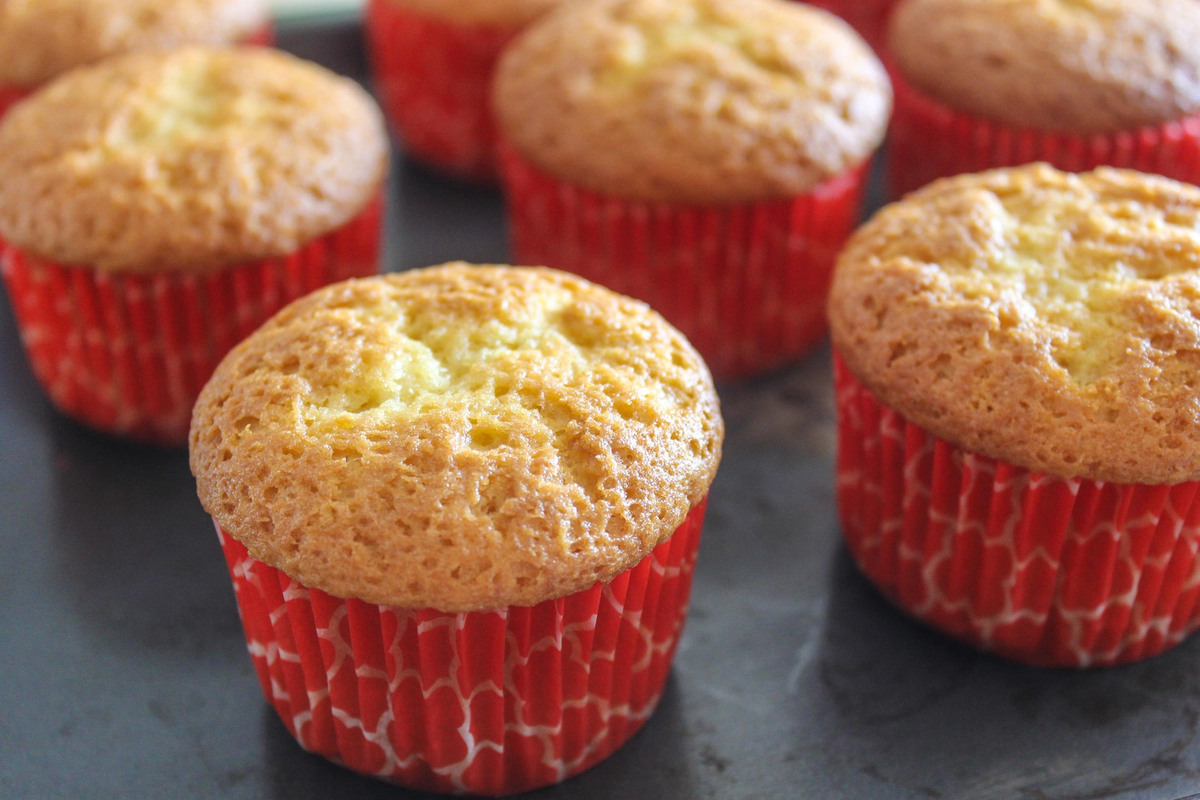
(124, 672)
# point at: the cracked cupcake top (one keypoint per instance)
(458, 437)
(699, 101)
(1083, 66)
(1046, 319)
(191, 159)
(44, 38)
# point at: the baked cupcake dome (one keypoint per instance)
(701, 102)
(1018, 443)
(42, 40)
(643, 136)
(196, 166)
(460, 438)
(219, 155)
(983, 83)
(510, 453)
(432, 63)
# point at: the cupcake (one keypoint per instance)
(157, 207)
(432, 63)
(706, 156)
(995, 83)
(41, 40)
(1018, 446)
(460, 506)
(869, 17)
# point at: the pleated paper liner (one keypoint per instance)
(487, 702)
(746, 284)
(434, 83)
(929, 140)
(1048, 571)
(127, 354)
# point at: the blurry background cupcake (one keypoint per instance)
(869, 17)
(1017, 355)
(706, 156)
(43, 39)
(990, 83)
(460, 507)
(156, 207)
(432, 64)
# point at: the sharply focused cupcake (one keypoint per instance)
(992, 83)
(432, 63)
(156, 207)
(1017, 355)
(706, 156)
(43, 39)
(460, 506)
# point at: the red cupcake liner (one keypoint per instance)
(127, 354)
(929, 140)
(1048, 571)
(868, 17)
(434, 81)
(483, 702)
(746, 284)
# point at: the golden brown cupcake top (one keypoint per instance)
(187, 160)
(1046, 319)
(502, 13)
(1083, 66)
(692, 101)
(40, 39)
(457, 437)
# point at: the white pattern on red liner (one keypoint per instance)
(490, 702)
(129, 353)
(1041, 569)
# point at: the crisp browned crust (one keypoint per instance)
(457, 437)
(699, 101)
(1046, 319)
(502, 13)
(187, 160)
(1082, 67)
(40, 39)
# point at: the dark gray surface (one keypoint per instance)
(126, 676)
